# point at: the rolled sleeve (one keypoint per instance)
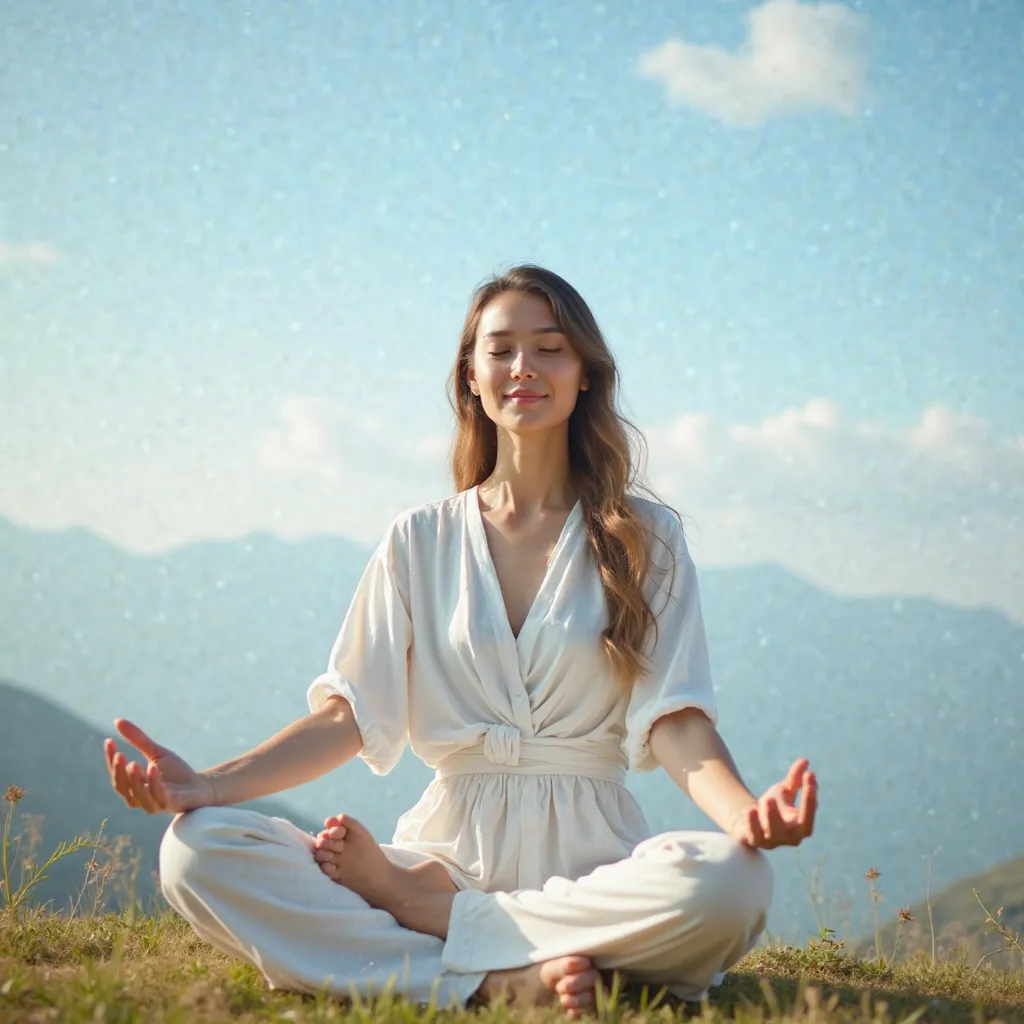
(679, 670)
(370, 658)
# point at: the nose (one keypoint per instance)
(522, 368)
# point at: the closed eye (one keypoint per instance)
(498, 353)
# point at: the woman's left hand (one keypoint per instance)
(776, 820)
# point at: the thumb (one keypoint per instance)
(138, 739)
(795, 776)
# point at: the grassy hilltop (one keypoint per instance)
(138, 967)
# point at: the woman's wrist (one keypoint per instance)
(736, 821)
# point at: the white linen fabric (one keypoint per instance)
(530, 737)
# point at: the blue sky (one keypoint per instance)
(236, 235)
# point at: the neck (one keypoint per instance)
(531, 473)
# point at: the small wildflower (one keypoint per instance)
(12, 794)
(872, 873)
(904, 915)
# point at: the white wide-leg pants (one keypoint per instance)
(678, 912)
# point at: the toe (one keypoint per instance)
(576, 1005)
(576, 964)
(573, 984)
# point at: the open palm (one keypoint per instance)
(784, 814)
(167, 784)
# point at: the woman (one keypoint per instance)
(530, 637)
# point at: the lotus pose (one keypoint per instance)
(531, 638)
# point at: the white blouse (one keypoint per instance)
(530, 736)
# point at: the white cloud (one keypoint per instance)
(319, 468)
(865, 508)
(797, 57)
(353, 471)
(321, 438)
(30, 252)
(931, 508)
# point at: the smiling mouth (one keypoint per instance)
(524, 398)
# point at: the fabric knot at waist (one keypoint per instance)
(501, 745)
(505, 750)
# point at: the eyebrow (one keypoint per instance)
(554, 329)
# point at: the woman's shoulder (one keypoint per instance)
(661, 519)
(427, 520)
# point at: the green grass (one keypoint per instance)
(139, 968)
(126, 969)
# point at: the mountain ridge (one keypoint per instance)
(212, 647)
(66, 785)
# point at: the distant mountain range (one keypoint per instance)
(910, 711)
(959, 922)
(51, 754)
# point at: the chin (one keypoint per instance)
(530, 425)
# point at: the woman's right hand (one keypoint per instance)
(166, 785)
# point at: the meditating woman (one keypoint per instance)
(530, 638)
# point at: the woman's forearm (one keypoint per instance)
(299, 753)
(687, 745)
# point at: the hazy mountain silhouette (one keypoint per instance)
(959, 921)
(51, 753)
(909, 710)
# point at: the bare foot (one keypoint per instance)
(419, 898)
(571, 982)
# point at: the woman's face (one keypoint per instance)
(523, 368)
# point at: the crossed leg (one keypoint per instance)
(678, 912)
(420, 898)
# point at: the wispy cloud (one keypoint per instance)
(320, 438)
(336, 470)
(30, 252)
(797, 57)
(930, 508)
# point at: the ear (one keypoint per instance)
(471, 380)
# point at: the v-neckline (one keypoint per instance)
(478, 533)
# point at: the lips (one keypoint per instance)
(524, 396)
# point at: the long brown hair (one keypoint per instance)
(606, 454)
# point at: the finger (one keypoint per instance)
(138, 739)
(121, 783)
(809, 807)
(754, 825)
(795, 776)
(109, 750)
(156, 787)
(137, 779)
(771, 821)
